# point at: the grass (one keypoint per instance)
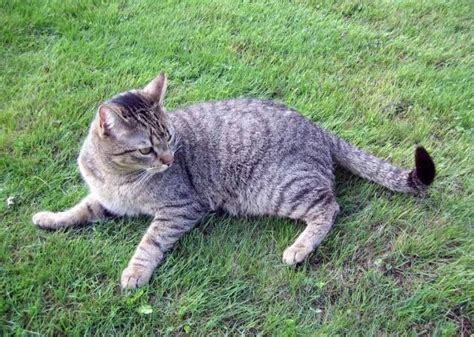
(384, 76)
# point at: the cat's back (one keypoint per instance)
(246, 118)
(237, 147)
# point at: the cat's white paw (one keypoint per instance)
(45, 220)
(295, 254)
(134, 277)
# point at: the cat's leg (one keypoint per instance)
(160, 236)
(87, 210)
(319, 217)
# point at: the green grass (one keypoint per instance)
(384, 76)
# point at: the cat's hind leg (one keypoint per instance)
(87, 210)
(319, 214)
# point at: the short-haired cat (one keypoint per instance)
(243, 156)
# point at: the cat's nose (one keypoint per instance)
(166, 158)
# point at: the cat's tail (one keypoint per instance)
(375, 169)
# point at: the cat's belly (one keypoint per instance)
(247, 203)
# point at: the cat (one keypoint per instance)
(242, 156)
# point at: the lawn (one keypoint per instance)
(384, 76)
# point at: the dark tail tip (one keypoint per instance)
(425, 168)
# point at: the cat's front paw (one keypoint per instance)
(134, 277)
(295, 254)
(46, 220)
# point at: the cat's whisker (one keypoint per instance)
(139, 178)
(144, 178)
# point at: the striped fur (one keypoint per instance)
(246, 157)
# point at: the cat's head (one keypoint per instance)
(132, 132)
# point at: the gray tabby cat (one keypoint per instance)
(245, 156)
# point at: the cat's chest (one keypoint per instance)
(121, 200)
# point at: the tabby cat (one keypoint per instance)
(242, 156)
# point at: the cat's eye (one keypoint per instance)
(146, 150)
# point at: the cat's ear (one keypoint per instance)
(108, 120)
(156, 89)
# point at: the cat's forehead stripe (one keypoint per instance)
(132, 102)
(142, 110)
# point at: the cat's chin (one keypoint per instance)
(160, 169)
